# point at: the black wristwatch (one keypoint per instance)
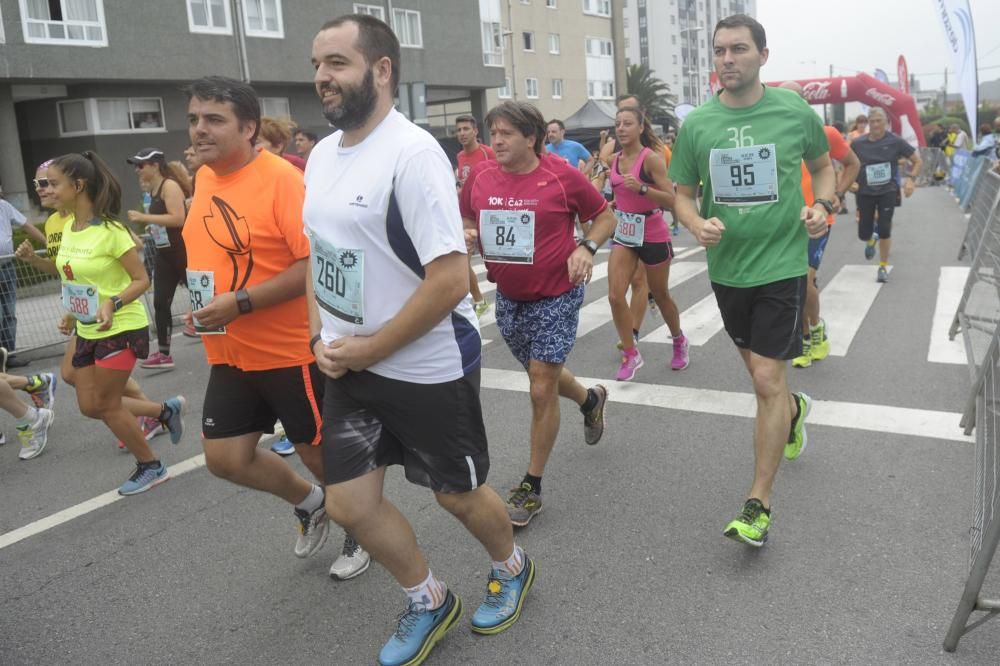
(243, 301)
(826, 204)
(117, 303)
(589, 244)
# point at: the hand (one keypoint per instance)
(355, 353)
(709, 232)
(135, 216)
(105, 315)
(632, 183)
(327, 365)
(604, 136)
(815, 221)
(220, 311)
(25, 251)
(854, 186)
(838, 203)
(471, 240)
(580, 265)
(188, 318)
(67, 324)
(907, 187)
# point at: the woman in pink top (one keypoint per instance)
(642, 190)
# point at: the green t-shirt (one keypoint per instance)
(89, 258)
(756, 155)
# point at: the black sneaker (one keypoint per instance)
(593, 421)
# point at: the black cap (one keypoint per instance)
(147, 155)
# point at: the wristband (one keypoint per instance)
(117, 303)
(312, 343)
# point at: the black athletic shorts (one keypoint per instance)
(652, 254)
(435, 431)
(767, 319)
(238, 402)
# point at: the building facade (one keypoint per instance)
(106, 75)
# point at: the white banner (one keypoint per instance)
(956, 22)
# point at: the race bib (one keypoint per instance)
(339, 280)
(507, 236)
(81, 301)
(631, 228)
(201, 289)
(878, 174)
(746, 176)
(159, 234)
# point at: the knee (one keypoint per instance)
(346, 511)
(617, 297)
(454, 503)
(542, 391)
(767, 382)
(220, 465)
(91, 408)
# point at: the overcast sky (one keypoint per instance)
(860, 35)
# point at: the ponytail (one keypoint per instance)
(176, 172)
(648, 137)
(100, 183)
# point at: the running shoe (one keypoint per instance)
(353, 560)
(504, 598)
(314, 528)
(650, 301)
(481, 308)
(143, 478)
(751, 526)
(150, 428)
(806, 359)
(681, 357)
(158, 361)
(630, 365)
(418, 630)
(820, 343)
(173, 423)
(523, 504)
(42, 389)
(283, 447)
(189, 331)
(883, 275)
(635, 337)
(35, 435)
(797, 437)
(870, 246)
(593, 421)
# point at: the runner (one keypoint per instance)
(305, 141)
(399, 341)
(246, 269)
(746, 145)
(878, 189)
(164, 220)
(642, 190)
(472, 153)
(571, 151)
(103, 278)
(521, 209)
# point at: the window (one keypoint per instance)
(642, 21)
(551, 4)
(262, 18)
(599, 47)
(116, 115)
(211, 16)
(529, 40)
(492, 44)
(2, 40)
(371, 10)
(76, 22)
(672, 19)
(673, 39)
(553, 42)
(598, 7)
(601, 89)
(406, 25)
(504, 92)
(556, 88)
(675, 58)
(275, 107)
(531, 88)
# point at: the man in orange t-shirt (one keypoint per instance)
(247, 258)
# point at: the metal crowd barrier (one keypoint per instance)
(934, 162)
(31, 304)
(978, 319)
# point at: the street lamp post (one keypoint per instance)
(697, 62)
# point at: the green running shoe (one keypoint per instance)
(797, 438)
(820, 343)
(750, 527)
(806, 358)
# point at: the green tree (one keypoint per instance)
(653, 93)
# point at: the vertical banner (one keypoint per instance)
(903, 74)
(956, 22)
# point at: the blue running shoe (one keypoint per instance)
(173, 422)
(418, 632)
(143, 478)
(504, 598)
(870, 246)
(283, 447)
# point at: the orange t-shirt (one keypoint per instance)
(246, 228)
(838, 151)
(667, 154)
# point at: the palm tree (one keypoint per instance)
(653, 93)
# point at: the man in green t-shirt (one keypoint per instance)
(745, 147)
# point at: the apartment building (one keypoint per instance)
(106, 75)
(673, 37)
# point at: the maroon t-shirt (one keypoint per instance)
(466, 161)
(556, 193)
(299, 163)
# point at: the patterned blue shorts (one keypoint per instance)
(543, 330)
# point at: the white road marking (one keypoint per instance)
(951, 284)
(844, 304)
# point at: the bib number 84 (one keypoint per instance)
(505, 236)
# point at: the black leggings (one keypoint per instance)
(171, 269)
(867, 204)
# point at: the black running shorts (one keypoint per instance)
(767, 319)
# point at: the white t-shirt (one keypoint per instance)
(10, 217)
(376, 214)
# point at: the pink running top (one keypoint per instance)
(632, 202)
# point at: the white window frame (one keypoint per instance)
(263, 32)
(557, 83)
(528, 36)
(597, 8)
(2, 39)
(378, 11)
(397, 11)
(528, 85)
(227, 29)
(271, 101)
(101, 22)
(551, 4)
(504, 91)
(93, 117)
(492, 52)
(601, 44)
(597, 89)
(556, 41)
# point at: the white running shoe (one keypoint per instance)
(34, 437)
(314, 528)
(353, 560)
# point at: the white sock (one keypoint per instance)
(313, 500)
(30, 417)
(430, 593)
(512, 564)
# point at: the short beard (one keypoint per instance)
(356, 105)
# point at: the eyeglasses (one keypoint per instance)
(41, 183)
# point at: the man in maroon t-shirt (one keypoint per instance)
(519, 211)
(472, 153)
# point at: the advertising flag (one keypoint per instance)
(956, 22)
(903, 74)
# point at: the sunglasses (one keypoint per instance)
(41, 183)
